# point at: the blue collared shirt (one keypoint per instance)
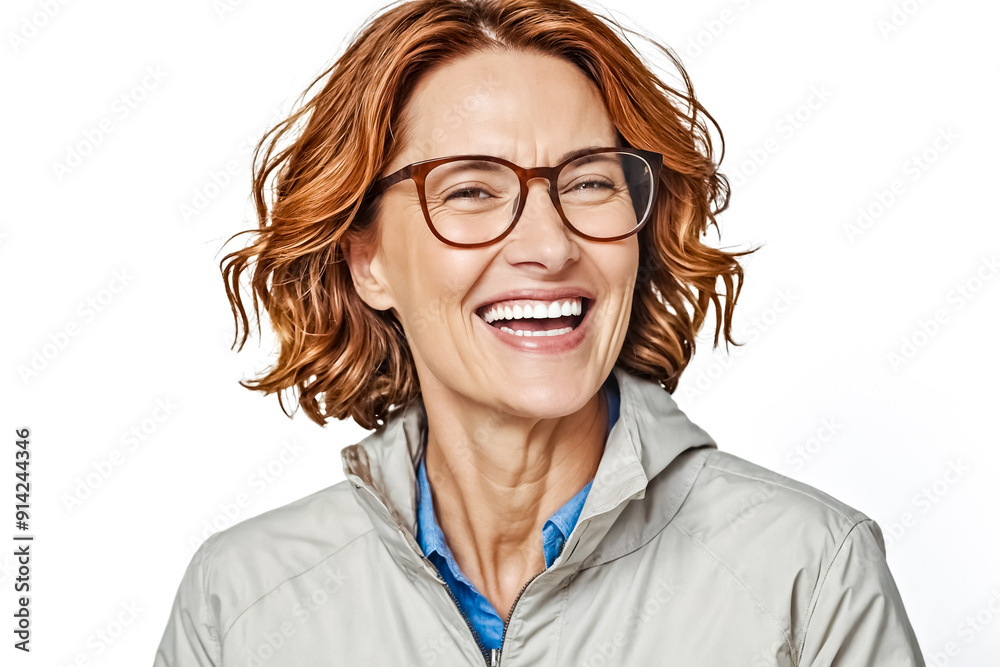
(481, 614)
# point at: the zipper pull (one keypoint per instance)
(494, 657)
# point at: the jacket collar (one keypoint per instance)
(651, 433)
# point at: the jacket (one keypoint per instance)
(683, 555)
(486, 621)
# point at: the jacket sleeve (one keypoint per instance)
(191, 638)
(857, 617)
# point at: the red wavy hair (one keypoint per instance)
(344, 359)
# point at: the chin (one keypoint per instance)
(551, 399)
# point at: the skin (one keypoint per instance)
(512, 435)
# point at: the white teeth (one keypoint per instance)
(550, 332)
(537, 311)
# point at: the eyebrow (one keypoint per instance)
(577, 152)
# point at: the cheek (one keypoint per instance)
(620, 267)
(434, 281)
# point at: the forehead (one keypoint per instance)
(526, 107)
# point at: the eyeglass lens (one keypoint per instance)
(603, 195)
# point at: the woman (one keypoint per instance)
(484, 244)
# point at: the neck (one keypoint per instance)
(497, 478)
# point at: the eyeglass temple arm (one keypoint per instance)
(387, 182)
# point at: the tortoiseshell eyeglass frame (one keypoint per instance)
(418, 172)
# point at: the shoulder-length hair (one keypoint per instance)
(344, 359)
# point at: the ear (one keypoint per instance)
(366, 266)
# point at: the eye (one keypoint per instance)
(471, 192)
(594, 184)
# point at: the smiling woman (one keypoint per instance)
(508, 303)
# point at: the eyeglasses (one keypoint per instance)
(470, 201)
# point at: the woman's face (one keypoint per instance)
(529, 109)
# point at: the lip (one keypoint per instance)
(546, 344)
(539, 295)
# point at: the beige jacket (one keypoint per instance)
(683, 555)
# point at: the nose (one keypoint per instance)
(540, 237)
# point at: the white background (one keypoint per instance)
(814, 394)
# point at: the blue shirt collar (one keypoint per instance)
(484, 618)
(556, 529)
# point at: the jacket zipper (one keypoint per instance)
(490, 656)
(496, 653)
(487, 653)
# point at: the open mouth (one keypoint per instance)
(528, 317)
